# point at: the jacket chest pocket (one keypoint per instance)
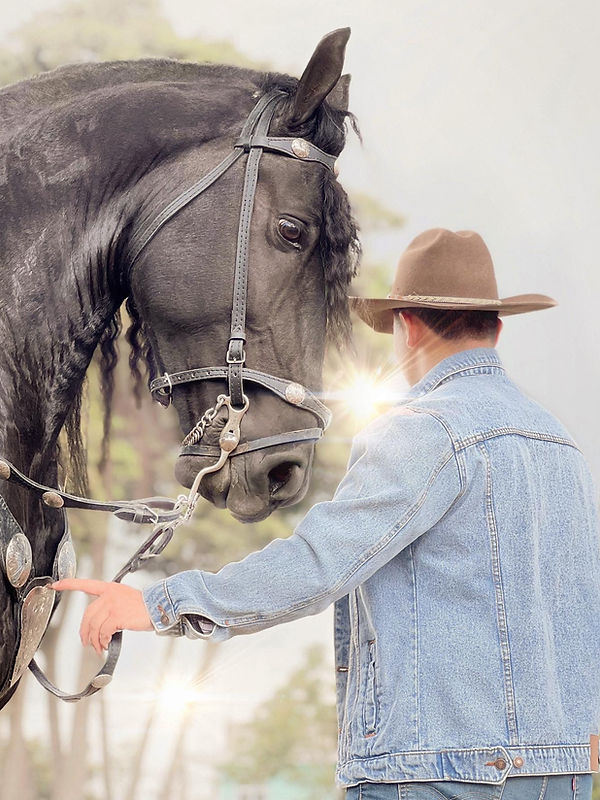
(371, 701)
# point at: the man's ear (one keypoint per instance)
(413, 328)
(321, 75)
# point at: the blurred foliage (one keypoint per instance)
(292, 735)
(104, 30)
(373, 215)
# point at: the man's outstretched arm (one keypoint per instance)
(402, 479)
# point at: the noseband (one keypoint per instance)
(254, 140)
(35, 600)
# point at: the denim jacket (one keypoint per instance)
(462, 552)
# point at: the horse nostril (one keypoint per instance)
(279, 476)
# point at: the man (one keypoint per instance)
(462, 552)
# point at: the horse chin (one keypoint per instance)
(251, 486)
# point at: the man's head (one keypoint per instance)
(425, 336)
(444, 299)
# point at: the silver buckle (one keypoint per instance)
(240, 360)
(166, 389)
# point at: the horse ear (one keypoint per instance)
(339, 95)
(322, 73)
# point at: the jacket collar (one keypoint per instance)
(478, 361)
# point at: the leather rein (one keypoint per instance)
(36, 599)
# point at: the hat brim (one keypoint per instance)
(378, 313)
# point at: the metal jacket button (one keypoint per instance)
(500, 764)
(518, 762)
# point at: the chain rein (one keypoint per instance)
(162, 533)
(209, 415)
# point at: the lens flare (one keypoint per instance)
(364, 394)
(175, 697)
(364, 398)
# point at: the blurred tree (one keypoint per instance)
(103, 30)
(292, 735)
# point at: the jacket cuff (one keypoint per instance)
(167, 622)
(161, 611)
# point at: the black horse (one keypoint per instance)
(86, 153)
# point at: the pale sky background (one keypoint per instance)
(480, 115)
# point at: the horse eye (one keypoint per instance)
(289, 231)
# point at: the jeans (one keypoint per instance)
(543, 787)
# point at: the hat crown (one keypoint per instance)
(445, 264)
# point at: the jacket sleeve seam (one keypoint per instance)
(453, 444)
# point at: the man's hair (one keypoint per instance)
(458, 324)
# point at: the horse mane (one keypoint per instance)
(339, 244)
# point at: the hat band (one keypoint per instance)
(432, 298)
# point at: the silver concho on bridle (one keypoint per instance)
(18, 560)
(66, 560)
(35, 616)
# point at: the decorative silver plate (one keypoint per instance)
(35, 615)
(300, 148)
(18, 560)
(66, 560)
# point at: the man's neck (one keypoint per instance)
(421, 359)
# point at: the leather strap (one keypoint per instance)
(141, 238)
(307, 435)
(286, 145)
(139, 511)
(236, 356)
(101, 679)
(279, 386)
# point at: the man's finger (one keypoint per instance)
(94, 615)
(95, 623)
(86, 585)
(107, 629)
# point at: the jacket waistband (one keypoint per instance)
(480, 765)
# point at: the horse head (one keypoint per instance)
(300, 244)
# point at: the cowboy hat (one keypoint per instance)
(447, 270)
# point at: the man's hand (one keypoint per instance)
(116, 608)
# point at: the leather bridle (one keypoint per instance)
(254, 140)
(35, 598)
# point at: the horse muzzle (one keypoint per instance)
(252, 484)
